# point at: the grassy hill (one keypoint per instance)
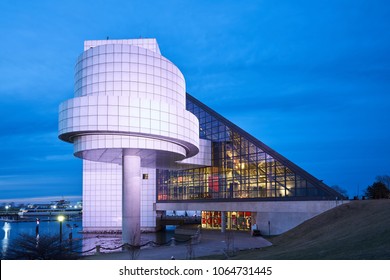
(356, 230)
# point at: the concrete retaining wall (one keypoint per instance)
(272, 217)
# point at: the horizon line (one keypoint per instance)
(40, 198)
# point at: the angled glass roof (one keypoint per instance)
(242, 168)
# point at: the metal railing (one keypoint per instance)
(126, 246)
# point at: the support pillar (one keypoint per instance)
(131, 199)
(223, 221)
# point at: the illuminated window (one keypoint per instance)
(241, 168)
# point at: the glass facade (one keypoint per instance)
(236, 220)
(242, 168)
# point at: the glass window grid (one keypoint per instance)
(240, 170)
(235, 220)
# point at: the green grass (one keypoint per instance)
(356, 230)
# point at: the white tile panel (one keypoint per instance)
(127, 96)
(102, 197)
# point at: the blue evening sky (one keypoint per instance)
(311, 79)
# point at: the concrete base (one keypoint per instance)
(271, 223)
(281, 215)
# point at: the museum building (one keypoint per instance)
(149, 148)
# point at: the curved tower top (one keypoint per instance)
(129, 109)
(128, 96)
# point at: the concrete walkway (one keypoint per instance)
(210, 243)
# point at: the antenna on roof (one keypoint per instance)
(108, 37)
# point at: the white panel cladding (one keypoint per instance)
(146, 43)
(203, 158)
(148, 199)
(128, 99)
(127, 88)
(102, 197)
(119, 69)
(128, 116)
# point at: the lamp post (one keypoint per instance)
(60, 219)
(6, 210)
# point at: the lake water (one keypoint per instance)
(108, 242)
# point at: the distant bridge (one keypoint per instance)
(9, 215)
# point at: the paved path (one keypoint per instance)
(211, 243)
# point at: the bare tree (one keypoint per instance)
(384, 179)
(190, 251)
(378, 190)
(134, 250)
(29, 247)
(340, 190)
(229, 241)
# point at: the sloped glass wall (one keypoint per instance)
(241, 168)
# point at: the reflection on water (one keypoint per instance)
(13, 230)
(113, 242)
(72, 230)
(5, 240)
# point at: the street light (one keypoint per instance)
(6, 210)
(60, 219)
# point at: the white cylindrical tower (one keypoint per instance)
(129, 109)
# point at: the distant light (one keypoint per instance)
(7, 207)
(60, 218)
